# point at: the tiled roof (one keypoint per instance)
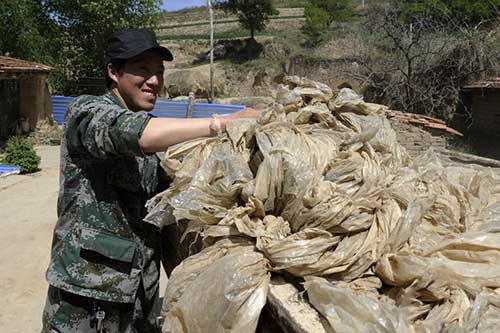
(423, 121)
(8, 64)
(492, 83)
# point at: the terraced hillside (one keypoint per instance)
(194, 24)
(282, 50)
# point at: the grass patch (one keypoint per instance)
(290, 3)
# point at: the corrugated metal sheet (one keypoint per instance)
(6, 169)
(163, 109)
(59, 106)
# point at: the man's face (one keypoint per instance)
(140, 81)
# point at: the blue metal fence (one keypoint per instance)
(59, 106)
(163, 109)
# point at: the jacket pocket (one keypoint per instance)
(107, 244)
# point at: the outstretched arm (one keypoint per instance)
(161, 133)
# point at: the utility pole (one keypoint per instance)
(211, 14)
(189, 113)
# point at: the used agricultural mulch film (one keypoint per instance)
(319, 188)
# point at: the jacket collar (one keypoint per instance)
(111, 95)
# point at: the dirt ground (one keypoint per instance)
(27, 217)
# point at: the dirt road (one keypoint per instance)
(27, 217)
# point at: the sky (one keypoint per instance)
(170, 5)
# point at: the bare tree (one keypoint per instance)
(419, 66)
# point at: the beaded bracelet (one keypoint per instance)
(215, 126)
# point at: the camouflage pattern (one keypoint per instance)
(65, 312)
(101, 247)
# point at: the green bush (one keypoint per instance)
(316, 25)
(19, 151)
(337, 10)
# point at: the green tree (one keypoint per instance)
(19, 29)
(252, 14)
(316, 24)
(320, 14)
(27, 33)
(338, 10)
(69, 35)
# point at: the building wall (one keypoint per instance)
(486, 113)
(9, 107)
(33, 103)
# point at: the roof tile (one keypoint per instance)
(8, 64)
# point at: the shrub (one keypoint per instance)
(337, 10)
(421, 67)
(316, 25)
(19, 151)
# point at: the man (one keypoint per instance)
(104, 267)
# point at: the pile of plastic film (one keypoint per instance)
(319, 188)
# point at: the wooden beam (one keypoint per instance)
(468, 158)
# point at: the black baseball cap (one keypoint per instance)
(128, 43)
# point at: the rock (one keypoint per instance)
(180, 82)
(180, 99)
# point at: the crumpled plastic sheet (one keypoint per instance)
(319, 188)
(228, 284)
(358, 311)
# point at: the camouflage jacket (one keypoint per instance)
(101, 247)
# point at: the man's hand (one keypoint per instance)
(247, 113)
